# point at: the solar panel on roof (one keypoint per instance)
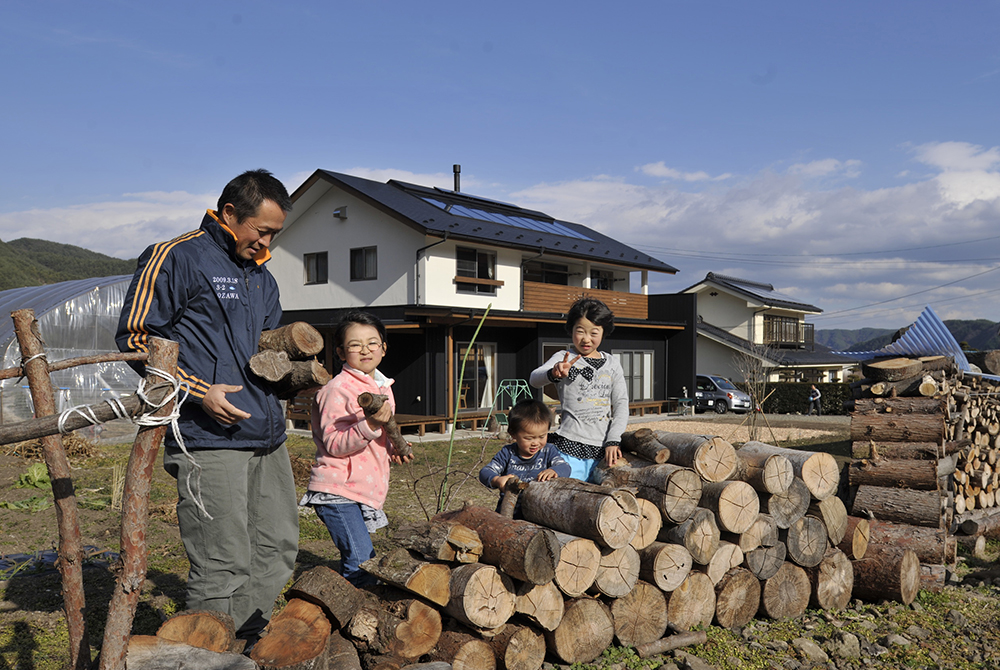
(524, 222)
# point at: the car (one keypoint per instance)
(720, 394)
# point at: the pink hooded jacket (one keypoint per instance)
(352, 460)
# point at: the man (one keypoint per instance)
(209, 291)
(814, 396)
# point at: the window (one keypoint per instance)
(476, 271)
(477, 387)
(315, 268)
(602, 280)
(364, 263)
(546, 273)
(638, 369)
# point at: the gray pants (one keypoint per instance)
(243, 557)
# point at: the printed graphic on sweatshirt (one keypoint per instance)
(227, 288)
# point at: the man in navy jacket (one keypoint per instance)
(209, 291)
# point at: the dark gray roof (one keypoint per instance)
(532, 230)
(820, 355)
(757, 291)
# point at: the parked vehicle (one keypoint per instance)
(718, 393)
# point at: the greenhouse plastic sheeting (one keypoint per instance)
(75, 318)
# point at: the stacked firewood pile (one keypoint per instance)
(926, 444)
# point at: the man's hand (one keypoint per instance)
(612, 454)
(546, 475)
(216, 406)
(379, 418)
(498, 481)
(561, 370)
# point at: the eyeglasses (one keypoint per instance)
(357, 347)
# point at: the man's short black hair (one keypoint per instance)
(527, 411)
(356, 316)
(246, 192)
(594, 311)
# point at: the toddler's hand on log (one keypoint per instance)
(612, 453)
(216, 406)
(499, 481)
(380, 418)
(561, 370)
(546, 475)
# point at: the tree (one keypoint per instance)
(755, 364)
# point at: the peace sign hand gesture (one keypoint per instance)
(561, 370)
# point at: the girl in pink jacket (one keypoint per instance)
(350, 477)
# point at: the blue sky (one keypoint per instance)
(780, 142)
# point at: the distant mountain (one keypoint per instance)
(980, 334)
(840, 339)
(29, 262)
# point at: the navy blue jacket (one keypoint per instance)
(196, 291)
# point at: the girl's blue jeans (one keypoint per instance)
(348, 531)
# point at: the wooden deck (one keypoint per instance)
(641, 407)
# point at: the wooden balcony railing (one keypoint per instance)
(540, 297)
(785, 332)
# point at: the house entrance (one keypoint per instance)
(478, 386)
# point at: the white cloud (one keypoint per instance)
(826, 167)
(661, 170)
(957, 156)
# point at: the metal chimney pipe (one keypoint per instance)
(457, 169)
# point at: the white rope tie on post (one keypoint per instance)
(180, 392)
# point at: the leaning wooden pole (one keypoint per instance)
(135, 517)
(70, 546)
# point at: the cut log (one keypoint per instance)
(518, 648)
(974, 545)
(440, 540)
(735, 504)
(618, 571)
(610, 517)
(640, 617)
(987, 526)
(674, 489)
(644, 444)
(205, 629)
(692, 603)
(788, 507)
(649, 526)
(481, 597)
(298, 340)
(664, 564)
(327, 588)
(712, 457)
(542, 603)
(833, 514)
(832, 581)
(271, 365)
(152, 652)
(806, 541)
(944, 364)
(856, 538)
(523, 550)
(587, 629)
(818, 470)
(767, 473)
(909, 474)
(892, 369)
(923, 385)
(925, 451)
(390, 662)
(463, 651)
(304, 375)
(930, 544)
(370, 404)
(892, 427)
(887, 573)
(737, 598)
(670, 643)
(403, 568)
(341, 653)
(764, 562)
(406, 628)
(579, 559)
(727, 557)
(295, 638)
(699, 535)
(762, 533)
(988, 361)
(917, 508)
(786, 594)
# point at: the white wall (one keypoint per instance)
(725, 311)
(716, 359)
(439, 267)
(316, 230)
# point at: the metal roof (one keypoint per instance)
(462, 216)
(795, 357)
(757, 291)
